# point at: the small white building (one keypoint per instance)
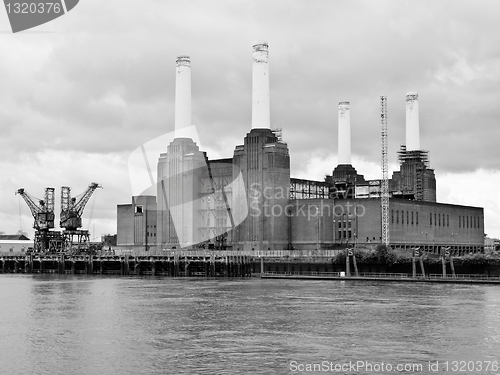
(14, 244)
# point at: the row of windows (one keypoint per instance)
(347, 224)
(468, 222)
(440, 220)
(253, 140)
(437, 220)
(345, 234)
(410, 217)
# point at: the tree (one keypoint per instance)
(384, 254)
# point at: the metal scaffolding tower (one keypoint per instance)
(384, 201)
(413, 165)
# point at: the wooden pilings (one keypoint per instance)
(422, 268)
(349, 254)
(174, 265)
(347, 266)
(452, 267)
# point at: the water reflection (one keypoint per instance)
(110, 325)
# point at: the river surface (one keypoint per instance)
(66, 324)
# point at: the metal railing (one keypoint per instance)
(470, 276)
(377, 275)
(308, 273)
(253, 253)
(296, 253)
(343, 274)
(384, 275)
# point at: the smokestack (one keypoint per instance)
(412, 123)
(183, 92)
(344, 133)
(260, 87)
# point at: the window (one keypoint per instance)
(435, 219)
(417, 216)
(402, 217)
(138, 209)
(447, 220)
(467, 221)
(412, 218)
(392, 216)
(459, 221)
(407, 217)
(397, 217)
(430, 217)
(439, 216)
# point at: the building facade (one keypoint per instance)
(250, 201)
(136, 224)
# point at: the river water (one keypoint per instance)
(66, 324)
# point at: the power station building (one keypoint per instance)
(250, 201)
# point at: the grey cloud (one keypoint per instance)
(104, 82)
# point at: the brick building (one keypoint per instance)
(250, 201)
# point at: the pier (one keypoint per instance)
(174, 265)
(267, 264)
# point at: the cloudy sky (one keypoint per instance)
(80, 93)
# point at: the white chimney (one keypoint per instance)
(183, 93)
(344, 133)
(412, 123)
(260, 87)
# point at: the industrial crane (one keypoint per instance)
(384, 201)
(43, 213)
(76, 239)
(72, 208)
